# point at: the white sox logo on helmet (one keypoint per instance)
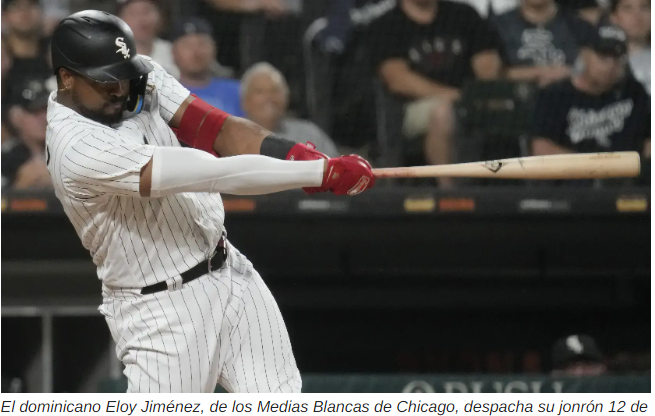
(123, 48)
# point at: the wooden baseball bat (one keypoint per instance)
(569, 166)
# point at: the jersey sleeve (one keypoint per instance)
(97, 164)
(170, 93)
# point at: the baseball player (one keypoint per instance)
(186, 309)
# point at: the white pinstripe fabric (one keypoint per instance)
(223, 327)
(95, 171)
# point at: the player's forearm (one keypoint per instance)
(205, 128)
(174, 170)
(239, 136)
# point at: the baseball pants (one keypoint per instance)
(224, 327)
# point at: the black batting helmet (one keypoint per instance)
(101, 47)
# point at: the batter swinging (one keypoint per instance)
(186, 309)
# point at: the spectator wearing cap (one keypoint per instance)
(22, 24)
(144, 18)
(541, 41)
(265, 97)
(602, 108)
(633, 16)
(577, 356)
(24, 159)
(194, 51)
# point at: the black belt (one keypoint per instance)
(214, 263)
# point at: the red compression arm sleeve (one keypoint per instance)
(200, 125)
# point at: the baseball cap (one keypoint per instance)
(191, 26)
(31, 94)
(7, 3)
(577, 347)
(610, 40)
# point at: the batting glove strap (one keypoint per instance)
(305, 152)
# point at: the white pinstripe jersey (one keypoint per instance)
(95, 170)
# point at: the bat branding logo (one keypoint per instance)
(493, 165)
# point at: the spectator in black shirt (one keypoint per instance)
(601, 109)
(24, 158)
(424, 51)
(541, 41)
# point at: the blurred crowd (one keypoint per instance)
(338, 73)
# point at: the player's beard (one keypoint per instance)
(99, 115)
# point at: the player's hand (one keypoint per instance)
(347, 175)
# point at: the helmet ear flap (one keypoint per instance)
(136, 98)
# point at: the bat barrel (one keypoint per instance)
(568, 166)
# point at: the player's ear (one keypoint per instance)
(67, 79)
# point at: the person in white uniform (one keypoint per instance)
(186, 309)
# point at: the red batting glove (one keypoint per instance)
(347, 175)
(307, 152)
